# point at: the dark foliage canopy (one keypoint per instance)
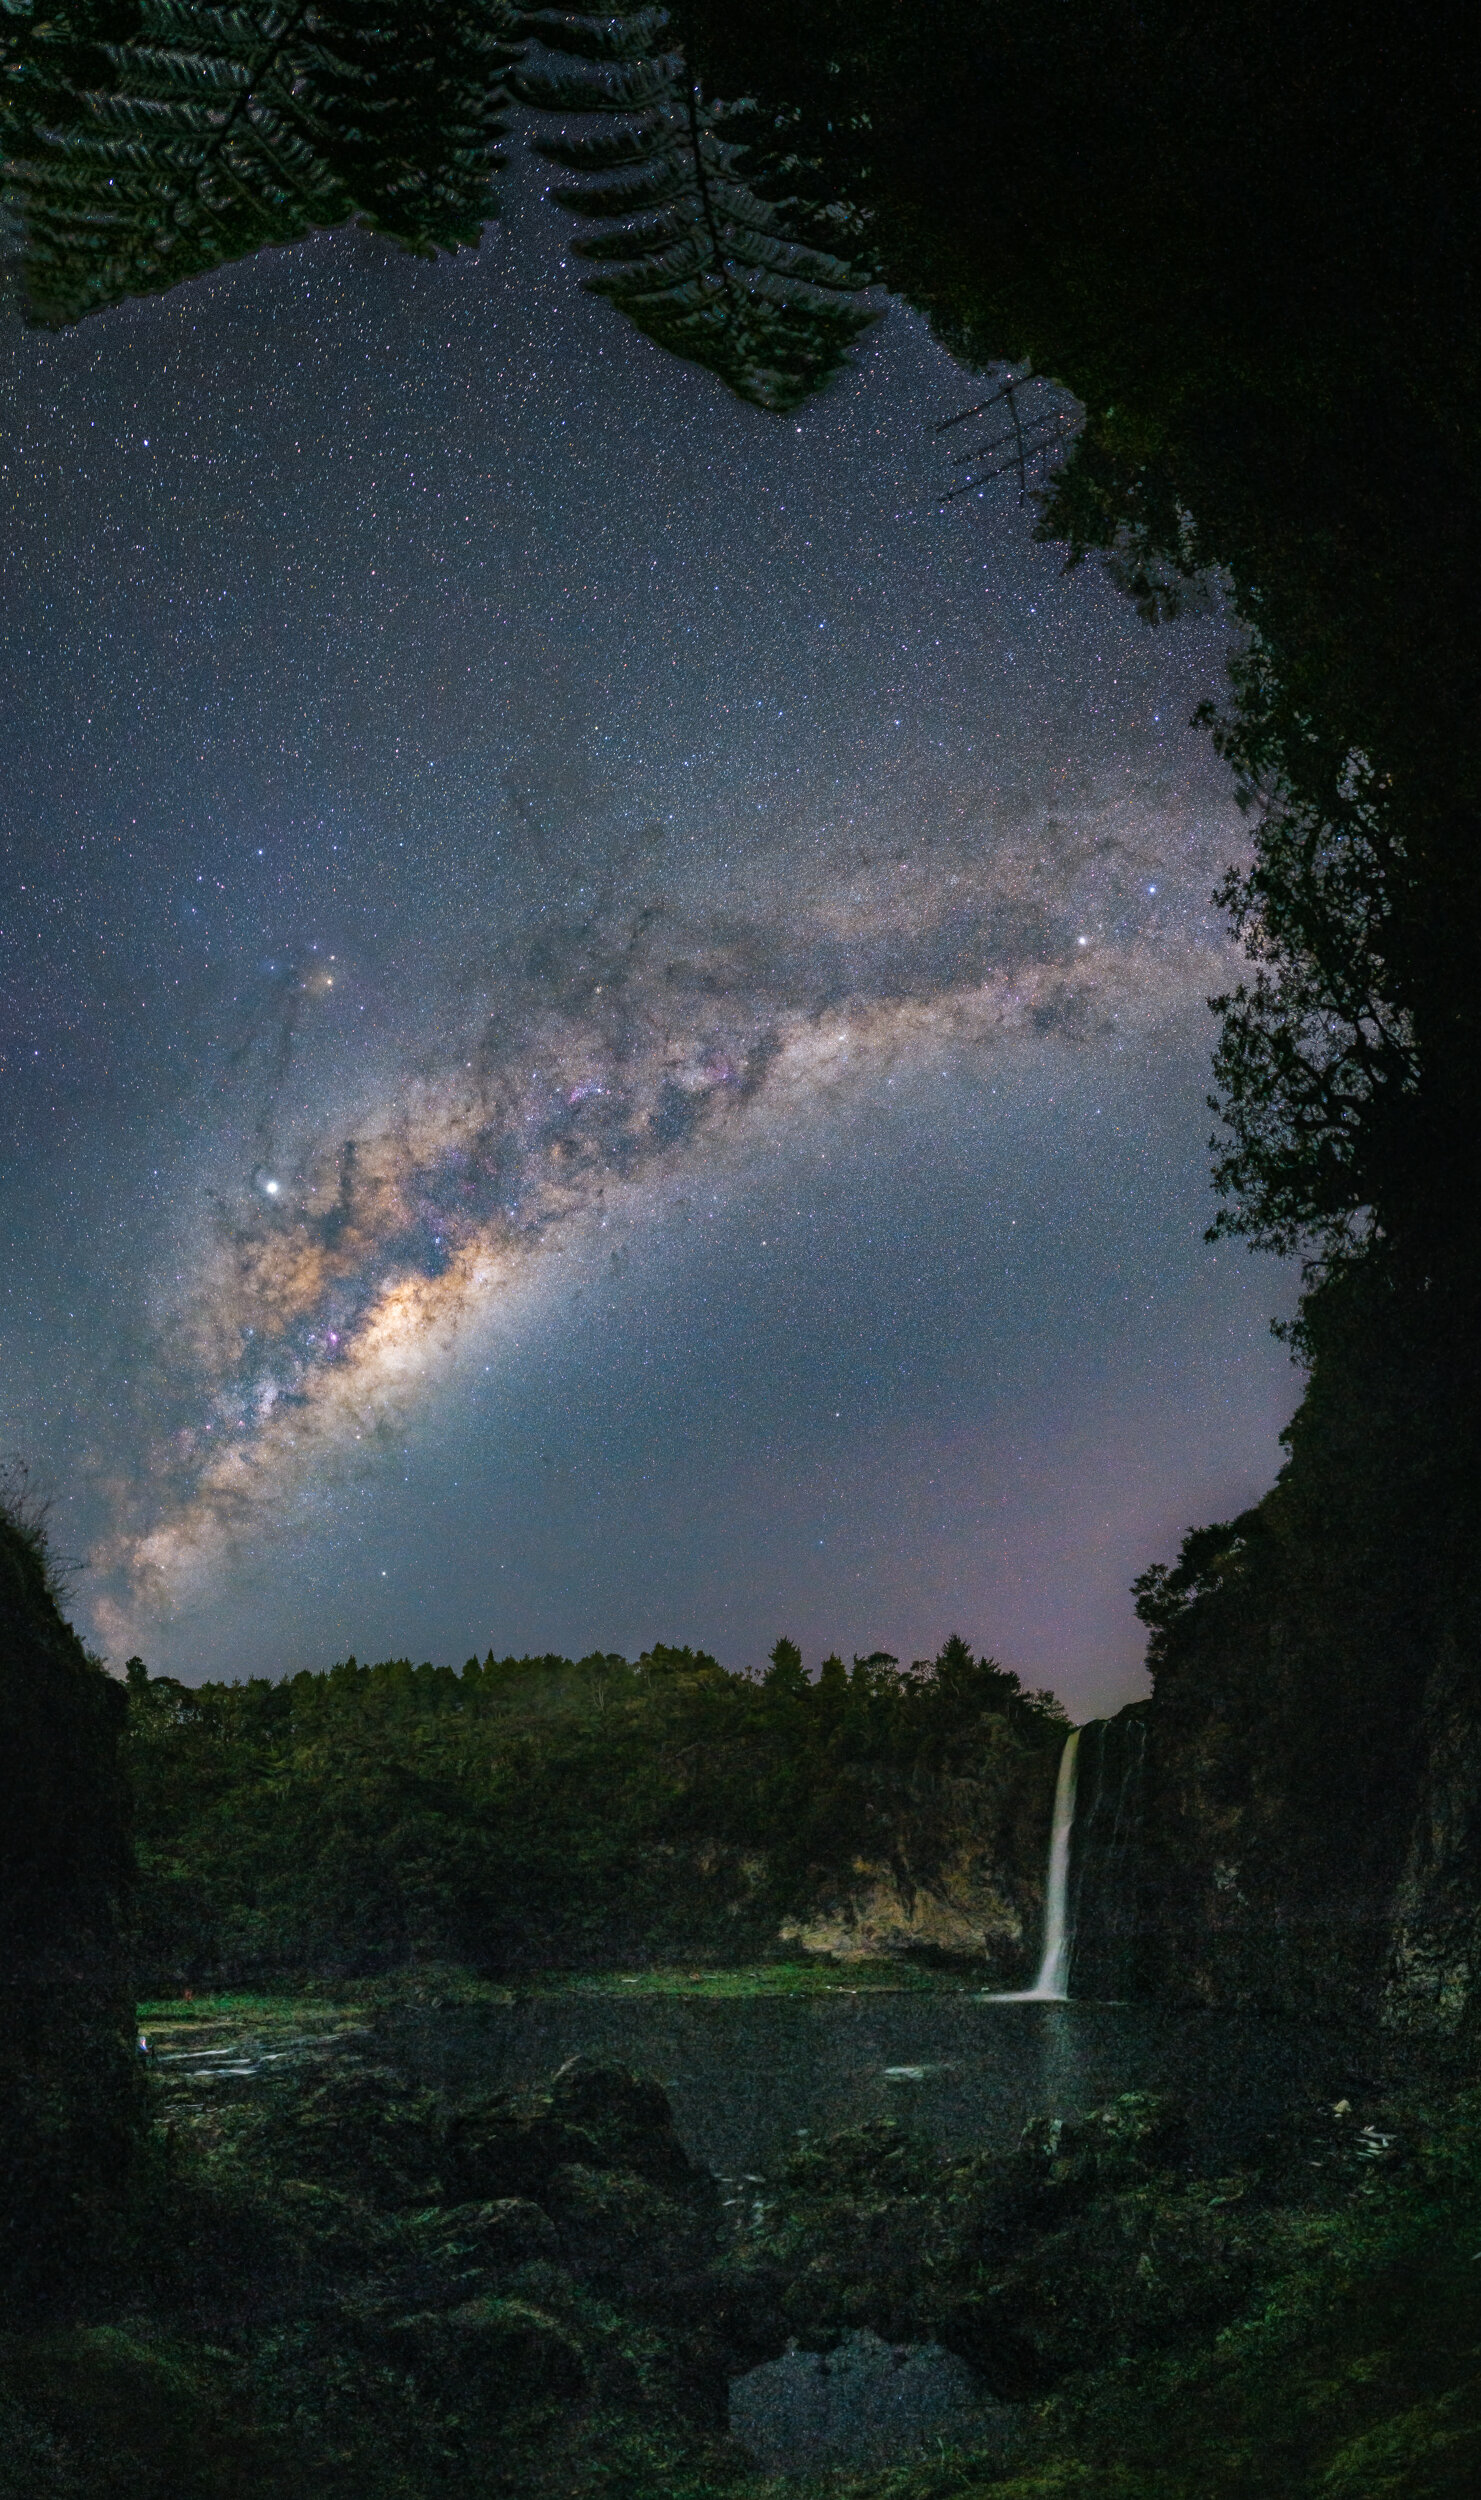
(148, 140)
(1245, 238)
(684, 244)
(530, 1811)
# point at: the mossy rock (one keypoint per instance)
(499, 2236)
(629, 2241)
(103, 2412)
(364, 2130)
(491, 2354)
(1130, 2273)
(597, 2116)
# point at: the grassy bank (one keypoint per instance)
(241, 2011)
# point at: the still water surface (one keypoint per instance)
(745, 2075)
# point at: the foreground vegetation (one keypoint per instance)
(536, 1814)
(342, 2282)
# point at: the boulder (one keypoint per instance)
(503, 2147)
(865, 2403)
(628, 2118)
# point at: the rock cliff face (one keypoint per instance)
(1292, 1886)
(978, 1899)
(1432, 1979)
(1278, 1807)
(68, 2091)
(1312, 1807)
(1107, 1854)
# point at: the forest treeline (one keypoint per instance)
(528, 1812)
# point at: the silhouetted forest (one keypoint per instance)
(535, 1811)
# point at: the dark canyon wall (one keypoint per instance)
(1312, 1799)
(68, 2089)
(1108, 1855)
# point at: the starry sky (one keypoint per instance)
(604, 1031)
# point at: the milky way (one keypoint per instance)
(483, 803)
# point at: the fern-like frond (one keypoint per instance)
(686, 247)
(147, 141)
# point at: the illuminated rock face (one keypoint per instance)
(966, 1911)
(68, 2086)
(964, 1884)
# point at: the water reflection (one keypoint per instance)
(746, 2075)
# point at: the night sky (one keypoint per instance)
(604, 1007)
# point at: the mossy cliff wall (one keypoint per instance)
(1313, 1789)
(68, 2091)
(546, 1813)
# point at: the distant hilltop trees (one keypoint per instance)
(548, 1811)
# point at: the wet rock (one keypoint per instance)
(1125, 2141)
(628, 2119)
(865, 2403)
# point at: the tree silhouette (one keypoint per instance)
(147, 141)
(684, 245)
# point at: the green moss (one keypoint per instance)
(759, 1979)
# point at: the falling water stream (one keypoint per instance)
(1052, 1984)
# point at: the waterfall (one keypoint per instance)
(1054, 1961)
(1052, 1983)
